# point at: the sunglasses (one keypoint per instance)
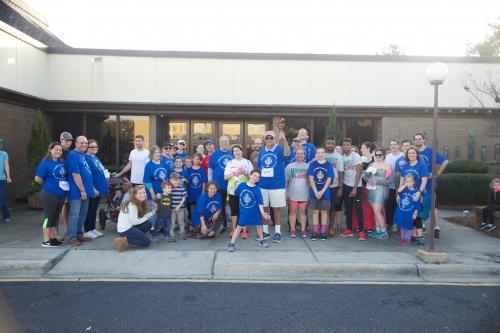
(93, 147)
(269, 137)
(379, 155)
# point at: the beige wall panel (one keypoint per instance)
(292, 82)
(253, 82)
(176, 80)
(63, 77)
(8, 61)
(97, 81)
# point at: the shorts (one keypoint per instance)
(335, 201)
(417, 223)
(274, 198)
(234, 205)
(319, 204)
(298, 203)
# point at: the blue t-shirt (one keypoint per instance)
(250, 197)
(196, 178)
(52, 172)
(271, 163)
(3, 157)
(309, 151)
(426, 157)
(206, 206)
(168, 163)
(218, 162)
(155, 174)
(406, 207)
(76, 163)
(181, 155)
(398, 165)
(182, 176)
(418, 171)
(100, 181)
(320, 173)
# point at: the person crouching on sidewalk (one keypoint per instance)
(488, 223)
(133, 221)
(251, 210)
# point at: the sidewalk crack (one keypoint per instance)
(312, 252)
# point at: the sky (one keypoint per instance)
(425, 27)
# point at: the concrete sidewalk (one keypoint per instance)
(474, 257)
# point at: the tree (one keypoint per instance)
(38, 142)
(332, 129)
(392, 49)
(490, 47)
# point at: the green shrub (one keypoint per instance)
(464, 189)
(466, 166)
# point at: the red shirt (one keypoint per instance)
(204, 163)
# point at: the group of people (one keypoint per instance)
(202, 195)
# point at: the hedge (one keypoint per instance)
(464, 189)
(466, 166)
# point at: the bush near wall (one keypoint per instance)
(464, 188)
(466, 166)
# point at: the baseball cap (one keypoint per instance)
(66, 136)
(257, 141)
(209, 141)
(297, 139)
(166, 145)
(181, 142)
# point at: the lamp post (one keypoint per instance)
(436, 73)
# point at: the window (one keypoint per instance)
(233, 131)
(201, 131)
(130, 126)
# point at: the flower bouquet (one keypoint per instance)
(371, 171)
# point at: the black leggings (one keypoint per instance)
(488, 214)
(356, 202)
(52, 206)
(89, 224)
(223, 194)
(390, 207)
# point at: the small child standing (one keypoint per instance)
(196, 180)
(406, 216)
(164, 211)
(179, 196)
(488, 223)
(251, 210)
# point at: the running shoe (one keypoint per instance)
(484, 225)
(491, 227)
(314, 237)
(231, 247)
(244, 234)
(293, 234)
(263, 243)
(331, 232)
(346, 233)
(437, 233)
(361, 236)
(323, 236)
(47, 244)
(373, 234)
(55, 242)
(303, 234)
(97, 233)
(277, 238)
(420, 241)
(266, 237)
(382, 235)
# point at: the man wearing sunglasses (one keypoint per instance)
(181, 149)
(168, 154)
(271, 162)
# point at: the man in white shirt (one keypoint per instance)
(136, 161)
(390, 203)
(337, 162)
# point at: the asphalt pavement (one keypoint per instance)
(245, 307)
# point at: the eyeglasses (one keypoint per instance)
(181, 143)
(380, 155)
(93, 147)
(269, 137)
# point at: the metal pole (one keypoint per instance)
(433, 185)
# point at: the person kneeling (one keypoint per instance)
(251, 210)
(206, 217)
(133, 221)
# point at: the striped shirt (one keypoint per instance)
(177, 194)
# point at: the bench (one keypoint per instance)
(478, 213)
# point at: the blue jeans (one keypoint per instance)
(3, 199)
(162, 222)
(136, 236)
(77, 214)
(152, 219)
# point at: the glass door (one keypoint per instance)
(178, 130)
(233, 130)
(200, 132)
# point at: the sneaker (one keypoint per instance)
(277, 238)
(231, 247)
(373, 234)
(361, 236)
(303, 234)
(323, 237)
(267, 236)
(84, 239)
(90, 234)
(74, 242)
(314, 237)
(437, 233)
(263, 243)
(293, 234)
(97, 233)
(483, 225)
(47, 244)
(382, 235)
(346, 233)
(55, 242)
(420, 241)
(244, 234)
(490, 227)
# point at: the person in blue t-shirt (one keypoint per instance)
(100, 176)
(51, 174)
(441, 164)
(415, 167)
(181, 149)
(251, 210)
(81, 188)
(407, 212)
(4, 180)
(205, 218)
(196, 180)
(271, 162)
(293, 148)
(216, 166)
(167, 157)
(320, 174)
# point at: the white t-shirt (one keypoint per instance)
(139, 159)
(231, 168)
(391, 160)
(350, 162)
(337, 162)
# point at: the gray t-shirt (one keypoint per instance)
(391, 160)
(298, 182)
(337, 162)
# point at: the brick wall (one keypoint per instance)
(15, 127)
(452, 131)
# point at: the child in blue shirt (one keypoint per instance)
(406, 216)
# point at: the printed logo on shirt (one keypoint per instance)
(320, 175)
(99, 165)
(269, 160)
(349, 165)
(426, 161)
(402, 163)
(59, 172)
(412, 172)
(223, 161)
(247, 199)
(333, 161)
(165, 202)
(211, 206)
(195, 180)
(85, 165)
(298, 173)
(405, 201)
(160, 174)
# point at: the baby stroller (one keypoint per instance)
(116, 192)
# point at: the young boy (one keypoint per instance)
(320, 174)
(251, 209)
(179, 196)
(164, 212)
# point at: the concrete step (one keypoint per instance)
(28, 262)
